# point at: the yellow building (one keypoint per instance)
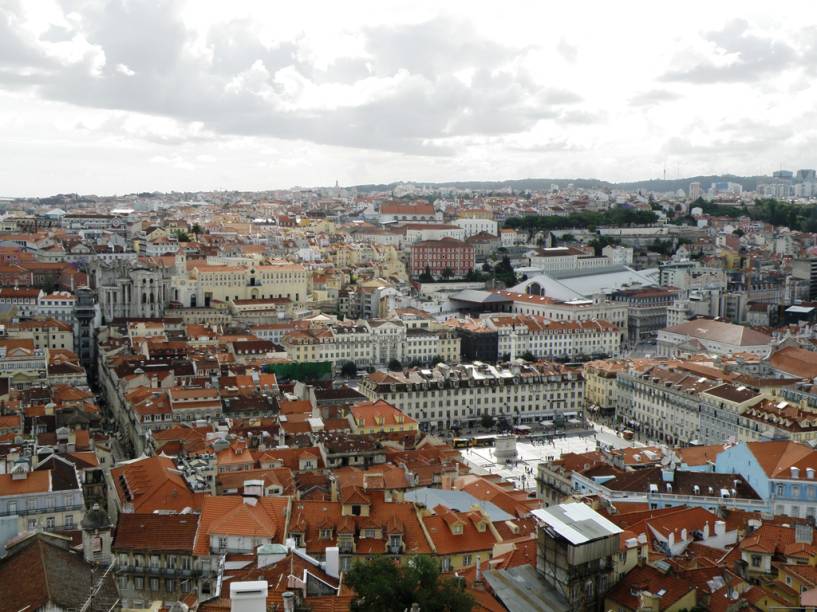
(205, 283)
(380, 417)
(600, 382)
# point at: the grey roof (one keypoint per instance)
(574, 284)
(521, 589)
(577, 523)
(456, 500)
(480, 297)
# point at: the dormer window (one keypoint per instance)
(326, 533)
(456, 529)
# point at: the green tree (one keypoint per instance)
(383, 586)
(447, 273)
(528, 356)
(503, 271)
(426, 276)
(395, 365)
(602, 241)
(739, 232)
(349, 369)
(487, 421)
(197, 230)
(181, 235)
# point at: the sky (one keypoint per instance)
(121, 96)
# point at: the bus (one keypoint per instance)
(483, 441)
(461, 442)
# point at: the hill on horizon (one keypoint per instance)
(749, 183)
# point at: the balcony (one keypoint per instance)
(50, 510)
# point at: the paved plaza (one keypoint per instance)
(522, 472)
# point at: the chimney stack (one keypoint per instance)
(248, 596)
(332, 563)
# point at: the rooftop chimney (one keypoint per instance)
(332, 563)
(289, 601)
(248, 596)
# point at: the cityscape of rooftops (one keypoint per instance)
(407, 307)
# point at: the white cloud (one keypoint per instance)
(250, 95)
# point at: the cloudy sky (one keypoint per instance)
(130, 95)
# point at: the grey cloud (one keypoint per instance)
(653, 97)
(755, 56)
(432, 47)
(170, 81)
(581, 117)
(567, 51)
(550, 146)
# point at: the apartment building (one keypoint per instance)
(646, 310)
(711, 336)
(439, 257)
(448, 395)
(24, 299)
(781, 471)
(540, 337)
(46, 333)
(600, 387)
(153, 557)
(663, 402)
(371, 343)
(576, 310)
(474, 226)
(45, 496)
(204, 283)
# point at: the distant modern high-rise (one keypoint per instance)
(694, 191)
(785, 175)
(806, 175)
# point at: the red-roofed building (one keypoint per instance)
(148, 485)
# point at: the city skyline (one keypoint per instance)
(118, 97)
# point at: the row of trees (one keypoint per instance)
(589, 220)
(769, 210)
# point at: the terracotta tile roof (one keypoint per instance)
(805, 573)
(650, 579)
(34, 482)
(720, 331)
(795, 361)
(777, 456)
(151, 484)
(379, 413)
(389, 517)
(39, 571)
(233, 515)
(768, 538)
(440, 528)
(288, 457)
(273, 476)
(700, 455)
(156, 532)
(295, 407)
(512, 501)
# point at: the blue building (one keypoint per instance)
(781, 472)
